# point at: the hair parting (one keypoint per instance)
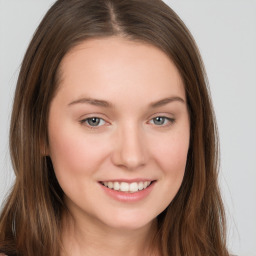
(30, 222)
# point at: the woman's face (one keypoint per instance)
(119, 121)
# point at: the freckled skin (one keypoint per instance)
(127, 144)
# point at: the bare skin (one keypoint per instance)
(106, 242)
(119, 116)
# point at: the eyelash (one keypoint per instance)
(85, 121)
(168, 119)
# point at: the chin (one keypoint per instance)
(126, 221)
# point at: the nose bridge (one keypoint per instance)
(130, 150)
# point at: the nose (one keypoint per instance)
(130, 149)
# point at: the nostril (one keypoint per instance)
(129, 152)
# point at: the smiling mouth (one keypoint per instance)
(127, 187)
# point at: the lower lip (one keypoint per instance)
(128, 197)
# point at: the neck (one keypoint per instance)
(91, 239)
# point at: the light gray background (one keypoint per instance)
(226, 34)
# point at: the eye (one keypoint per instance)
(93, 122)
(161, 120)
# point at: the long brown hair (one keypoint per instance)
(30, 222)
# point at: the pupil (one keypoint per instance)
(159, 120)
(94, 121)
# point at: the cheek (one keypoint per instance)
(171, 156)
(172, 153)
(76, 157)
(73, 153)
(173, 166)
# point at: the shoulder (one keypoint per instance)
(1, 254)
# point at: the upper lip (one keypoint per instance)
(128, 180)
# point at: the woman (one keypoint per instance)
(113, 137)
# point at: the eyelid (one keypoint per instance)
(93, 114)
(171, 120)
(84, 121)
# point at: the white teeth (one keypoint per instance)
(127, 187)
(133, 187)
(146, 184)
(116, 186)
(141, 186)
(110, 184)
(124, 187)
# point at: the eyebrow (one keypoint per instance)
(106, 104)
(166, 101)
(95, 102)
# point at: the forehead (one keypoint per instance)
(116, 65)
